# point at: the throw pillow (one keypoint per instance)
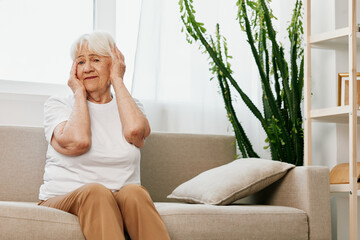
(230, 182)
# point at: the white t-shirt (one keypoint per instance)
(111, 160)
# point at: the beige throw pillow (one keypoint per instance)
(230, 182)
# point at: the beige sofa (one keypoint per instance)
(296, 207)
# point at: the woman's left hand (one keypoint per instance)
(118, 67)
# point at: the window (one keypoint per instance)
(36, 37)
(127, 26)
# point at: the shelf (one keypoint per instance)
(342, 189)
(326, 36)
(333, 39)
(332, 115)
(340, 41)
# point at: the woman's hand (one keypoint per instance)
(74, 83)
(118, 67)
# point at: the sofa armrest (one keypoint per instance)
(305, 188)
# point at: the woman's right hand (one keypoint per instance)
(74, 83)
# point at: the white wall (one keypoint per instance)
(21, 109)
(21, 103)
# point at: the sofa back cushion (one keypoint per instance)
(167, 160)
(22, 161)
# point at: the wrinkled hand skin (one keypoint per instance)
(74, 83)
(118, 67)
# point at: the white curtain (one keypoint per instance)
(172, 77)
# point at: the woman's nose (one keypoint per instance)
(88, 67)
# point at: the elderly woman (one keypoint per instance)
(93, 160)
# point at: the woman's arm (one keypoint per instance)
(135, 125)
(73, 137)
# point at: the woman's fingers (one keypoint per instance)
(117, 53)
(121, 56)
(118, 65)
(113, 50)
(73, 69)
(74, 83)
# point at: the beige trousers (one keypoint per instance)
(104, 215)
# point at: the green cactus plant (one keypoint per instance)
(282, 85)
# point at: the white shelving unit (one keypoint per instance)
(340, 38)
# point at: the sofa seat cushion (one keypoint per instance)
(199, 221)
(25, 220)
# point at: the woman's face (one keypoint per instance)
(93, 70)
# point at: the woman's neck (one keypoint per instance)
(99, 98)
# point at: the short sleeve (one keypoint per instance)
(56, 111)
(140, 106)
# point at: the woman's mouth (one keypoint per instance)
(89, 78)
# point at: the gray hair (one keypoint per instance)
(98, 42)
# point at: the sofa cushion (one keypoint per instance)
(20, 220)
(230, 182)
(24, 220)
(208, 222)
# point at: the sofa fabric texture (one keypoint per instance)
(230, 182)
(184, 221)
(201, 221)
(26, 220)
(298, 205)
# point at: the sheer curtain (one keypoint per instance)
(172, 77)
